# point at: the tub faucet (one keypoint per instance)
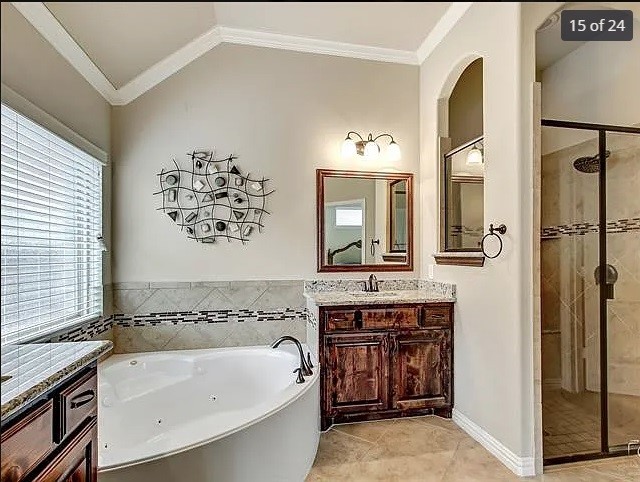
(305, 364)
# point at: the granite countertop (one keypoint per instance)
(35, 368)
(335, 298)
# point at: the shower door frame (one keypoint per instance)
(602, 129)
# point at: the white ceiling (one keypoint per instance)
(124, 39)
(125, 48)
(549, 45)
(393, 25)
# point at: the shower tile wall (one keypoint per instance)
(569, 255)
(171, 316)
(569, 291)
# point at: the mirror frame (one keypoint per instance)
(321, 175)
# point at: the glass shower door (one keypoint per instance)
(623, 304)
(571, 409)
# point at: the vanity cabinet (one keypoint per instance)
(385, 361)
(55, 437)
(357, 372)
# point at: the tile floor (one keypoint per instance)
(429, 449)
(568, 428)
(571, 422)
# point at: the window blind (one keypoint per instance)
(51, 217)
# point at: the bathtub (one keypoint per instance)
(224, 414)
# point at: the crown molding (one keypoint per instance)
(316, 46)
(168, 66)
(49, 27)
(441, 29)
(44, 22)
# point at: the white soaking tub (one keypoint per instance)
(216, 415)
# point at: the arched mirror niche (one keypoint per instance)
(461, 169)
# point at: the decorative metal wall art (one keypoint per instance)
(214, 199)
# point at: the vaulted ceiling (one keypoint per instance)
(125, 48)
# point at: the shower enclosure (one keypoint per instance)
(590, 285)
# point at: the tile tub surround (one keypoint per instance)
(212, 329)
(144, 297)
(37, 367)
(99, 329)
(192, 315)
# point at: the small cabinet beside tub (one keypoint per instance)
(55, 438)
(386, 361)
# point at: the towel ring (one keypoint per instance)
(502, 229)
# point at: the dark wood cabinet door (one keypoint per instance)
(356, 373)
(421, 369)
(77, 462)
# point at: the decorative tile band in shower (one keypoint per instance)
(580, 229)
(461, 230)
(203, 317)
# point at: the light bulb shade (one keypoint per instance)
(348, 148)
(393, 152)
(474, 157)
(371, 151)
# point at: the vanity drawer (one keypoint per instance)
(401, 317)
(341, 319)
(372, 318)
(26, 443)
(76, 403)
(436, 315)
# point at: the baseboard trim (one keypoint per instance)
(521, 466)
(552, 383)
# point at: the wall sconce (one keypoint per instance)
(369, 148)
(475, 154)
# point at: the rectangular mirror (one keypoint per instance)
(464, 197)
(364, 221)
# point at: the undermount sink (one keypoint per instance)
(370, 294)
(5, 378)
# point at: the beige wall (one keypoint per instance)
(284, 114)
(465, 106)
(51, 92)
(32, 68)
(493, 372)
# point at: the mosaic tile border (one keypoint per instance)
(86, 331)
(458, 230)
(205, 317)
(580, 229)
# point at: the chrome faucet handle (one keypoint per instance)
(309, 364)
(300, 378)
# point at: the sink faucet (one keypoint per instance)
(305, 364)
(372, 284)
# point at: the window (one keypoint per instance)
(349, 217)
(51, 201)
